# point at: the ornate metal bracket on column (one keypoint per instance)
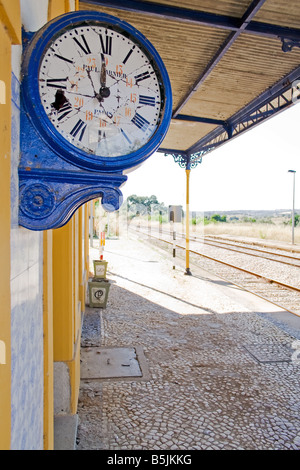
(188, 162)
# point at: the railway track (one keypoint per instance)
(244, 248)
(276, 289)
(278, 256)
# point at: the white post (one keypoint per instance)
(293, 210)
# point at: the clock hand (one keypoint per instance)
(90, 78)
(106, 118)
(80, 94)
(96, 95)
(104, 92)
(103, 72)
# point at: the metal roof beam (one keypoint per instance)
(233, 36)
(185, 117)
(169, 12)
(252, 114)
(169, 151)
(198, 17)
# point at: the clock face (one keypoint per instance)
(100, 89)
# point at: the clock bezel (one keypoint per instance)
(33, 56)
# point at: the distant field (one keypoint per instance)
(261, 231)
(255, 230)
(275, 230)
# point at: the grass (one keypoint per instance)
(275, 230)
(263, 231)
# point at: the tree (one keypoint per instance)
(218, 218)
(297, 220)
(144, 204)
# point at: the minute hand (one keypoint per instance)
(103, 72)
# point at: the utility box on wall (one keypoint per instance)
(98, 292)
(100, 268)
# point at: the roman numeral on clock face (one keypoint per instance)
(64, 58)
(83, 44)
(101, 135)
(64, 111)
(106, 45)
(140, 122)
(141, 77)
(128, 55)
(147, 100)
(126, 136)
(56, 83)
(79, 126)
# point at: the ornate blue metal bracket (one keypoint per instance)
(49, 198)
(188, 162)
(51, 189)
(55, 179)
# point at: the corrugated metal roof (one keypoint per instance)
(221, 56)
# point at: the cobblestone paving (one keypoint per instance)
(221, 375)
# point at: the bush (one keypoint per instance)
(218, 218)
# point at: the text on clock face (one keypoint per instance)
(100, 90)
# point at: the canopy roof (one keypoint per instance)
(232, 63)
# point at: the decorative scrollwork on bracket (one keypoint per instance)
(180, 159)
(111, 200)
(45, 206)
(195, 160)
(187, 161)
(37, 200)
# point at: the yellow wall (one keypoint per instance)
(48, 340)
(80, 257)
(67, 304)
(63, 292)
(5, 111)
(57, 7)
(10, 16)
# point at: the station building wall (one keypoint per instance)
(43, 275)
(26, 286)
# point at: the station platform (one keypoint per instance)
(184, 362)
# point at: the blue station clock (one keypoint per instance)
(96, 92)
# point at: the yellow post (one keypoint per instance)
(48, 340)
(87, 240)
(57, 8)
(66, 309)
(187, 224)
(63, 292)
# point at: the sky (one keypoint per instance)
(248, 173)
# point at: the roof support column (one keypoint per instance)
(187, 222)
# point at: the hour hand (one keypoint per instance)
(103, 72)
(104, 92)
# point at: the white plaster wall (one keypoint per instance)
(34, 14)
(26, 305)
(62, 389)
